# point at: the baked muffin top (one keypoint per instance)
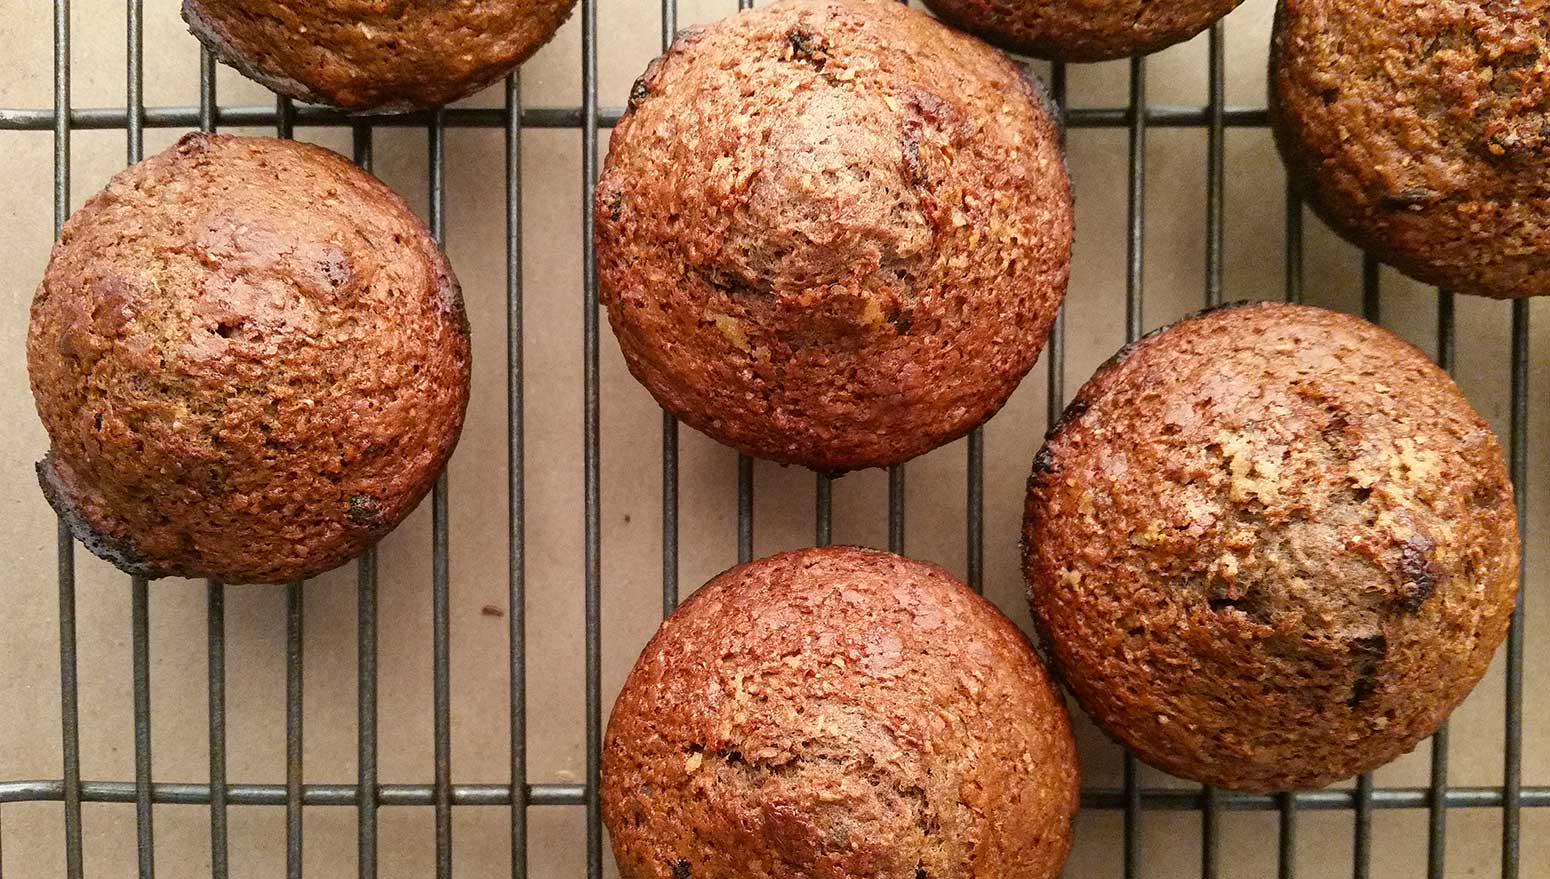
(838, 712)
(1420, 130)
(382, 55)
(1271, 546)
(1096, 30)
(833, 233)
(251, 360)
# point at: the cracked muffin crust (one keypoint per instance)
(382, 55)
(1270, 547)
(251, 359)
(833, 233)
(838, 712)
(1420, 130)
(1082, 30)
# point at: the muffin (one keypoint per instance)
(833, 233)
(251, 360)
(386, 57)
(1270, 547)
(1420, 131)
(1089, 30)
(838, 712)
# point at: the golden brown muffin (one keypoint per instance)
(381, 55)
(1420, 130)
(1082, 30)
(1270, 547)
(836, 713)
(251, 359)
(833, 233)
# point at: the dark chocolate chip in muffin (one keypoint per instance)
(833, 233)
(1420, 131)
(251, 359)
(375, 56)
(1274, 548)
(838, 712)
(1086, 31)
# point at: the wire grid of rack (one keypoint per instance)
(520, 794)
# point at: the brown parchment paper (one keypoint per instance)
(32, 835)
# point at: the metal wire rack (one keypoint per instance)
(519, 793)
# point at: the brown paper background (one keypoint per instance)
(31, 835)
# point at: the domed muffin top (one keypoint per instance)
(1095, 30)
(833, 233)
(1272, 546)
(839, 712)
(383, 55)
(251, 360)
(1421, 131)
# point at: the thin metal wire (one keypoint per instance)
(294, 604)
(1109, 799)
(365, 790)
(1055, 387)
(68, 688)
(1133, 803)
(669, 423)
(974, 537)
(97, 118)
(669, 514)
(591, 453)
(1215, 245)
(1286, 836)
(516, 537)
(1293, 243)
(441, 627)
(215, 601)
(1055, 354)
(744, 509)
(744, 468)
(1286, 803)
(824, 501)
(1216, 163)
(215, 626)
(294, 612)
(1372, 291)
(1361, 856)
(1134, 265)
(139, 600)
(1437, 805)
(1512, 760)
(365, 652)
(134, 96)
(140, 637)
(64, 541)
(896, 503)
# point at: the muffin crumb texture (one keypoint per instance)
(1095, 30)
(1420, 130)
(251, 360)
(1271, 547)
(833, 233)
(375, 55)
(838, 712)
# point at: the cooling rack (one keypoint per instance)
(519, 793)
